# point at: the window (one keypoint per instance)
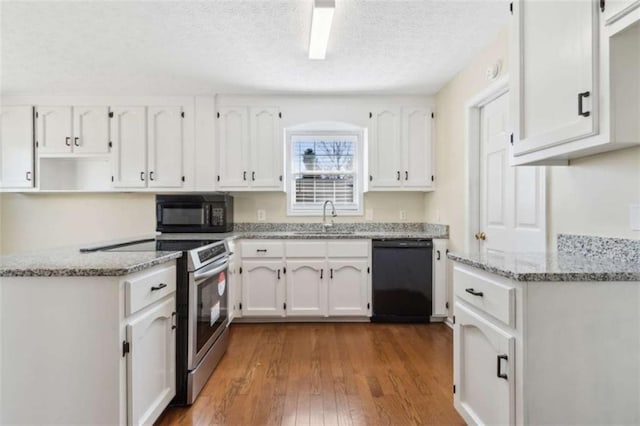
(324, 165)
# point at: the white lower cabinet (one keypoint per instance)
(440, 297)
(151, 384)
(349, 287)
(263, 288)
(104, 352)
(484, 359)
(306, 278)
(306, 287)
(545, 353)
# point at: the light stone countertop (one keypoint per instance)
(73, 263)
(539, 267)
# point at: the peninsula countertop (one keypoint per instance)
(72, 263)
(545, 267)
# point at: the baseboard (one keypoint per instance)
(449, 323)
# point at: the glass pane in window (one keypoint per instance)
(315, 154)
(316, 189)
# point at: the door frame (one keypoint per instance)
(472, 157)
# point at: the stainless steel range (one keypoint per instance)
(201, 298)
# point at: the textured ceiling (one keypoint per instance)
(236, 46)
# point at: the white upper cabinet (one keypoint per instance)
(147, 147)
(400, 149)
(558, 96)
(54, 129)
(16, 147)
(266, 148)
(233, 147)
(616, 9)
(385, 158)
(90, 129)
(129, 137)
(418, 153)
(573, 81)
(66, 130)
(250, 148)
(165, 147)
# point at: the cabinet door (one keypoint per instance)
(267, 146)
(484, 370)
(262, 288)
(556, 91)
(614, 9)
(385, 156)
(129, 137)
(234, 292)
(440, 295)
(151, 377)
(418, 149)
(348, 287)
(54, 130)
(16, 147)
(306, 287)
(90, 129)
(233, 138)
(165, 147)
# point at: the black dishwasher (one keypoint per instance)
(402, 278)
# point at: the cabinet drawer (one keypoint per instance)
(146, 287)
(348, 248)
(263, 248)
(306, 249)
(490, 295)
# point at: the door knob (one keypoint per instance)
(480, 236)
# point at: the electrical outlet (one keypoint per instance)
(368, 214)
(403, 215)
(262, 215)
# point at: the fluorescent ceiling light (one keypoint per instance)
(320, 27)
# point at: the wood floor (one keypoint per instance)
(328, 374)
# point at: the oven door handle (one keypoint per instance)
(210, 271)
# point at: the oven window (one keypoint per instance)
(212, 308)
(183, 215)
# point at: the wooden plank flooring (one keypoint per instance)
(328, 374)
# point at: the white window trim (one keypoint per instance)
(329, 129)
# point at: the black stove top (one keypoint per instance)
(162, 245)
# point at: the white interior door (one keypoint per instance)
(512, 199)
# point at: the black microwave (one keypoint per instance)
(194, 213)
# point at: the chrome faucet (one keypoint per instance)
(326, 225)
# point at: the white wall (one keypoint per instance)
(446, 204)
(386, 207)
(39, 221)
(592, 196)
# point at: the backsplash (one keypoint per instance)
(620, 249)
(442, 230)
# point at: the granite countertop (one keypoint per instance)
(302, 235)
(538, 267)
(71, 263)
